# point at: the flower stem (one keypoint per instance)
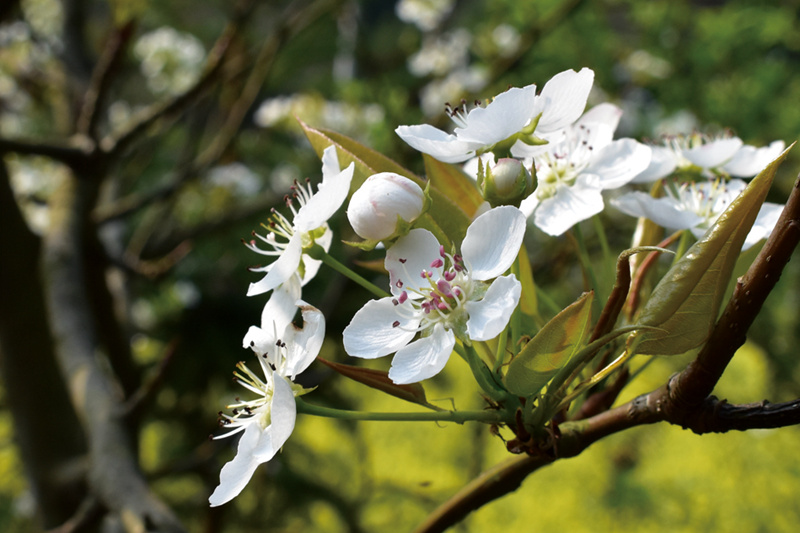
(588, 268)
(458, 417)
(317, 252)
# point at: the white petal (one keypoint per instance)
(765, 222)
(423, 358)
(563, 99)
(325, 202)
(311, 266)
(714, 153)
(372, 334)
(665, 211)
(237, 472)
(282, 269)
(662, 163)
(435, 142)
(619, 162)
(570, 205)
(303, 345)
(330, 163)
(492, 242)
(283, 414)
(489, 316)
(604, 113)
(529, 205)
(260, 340)
(408, 257)
(749, 160)
(280, 309)
(506, 115)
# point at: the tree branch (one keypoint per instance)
(684, 400)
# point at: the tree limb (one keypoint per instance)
(684, 400)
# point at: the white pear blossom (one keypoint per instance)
(287, 239)
(507, 117)
(696, 206)
(266, 422)
(708, 156)
(441, 296)
(375, 206)
(576, 165)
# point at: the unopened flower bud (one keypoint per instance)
(382, 203)
(507, 183)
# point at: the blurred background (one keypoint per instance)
(176, 196)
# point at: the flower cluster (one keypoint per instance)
(534, 155)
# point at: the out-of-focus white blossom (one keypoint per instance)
(696, 206)
(451, 87)
(170, 60)
(424, 14)
(350, 119)
(235, 176)
(506, 38)
(441, 54)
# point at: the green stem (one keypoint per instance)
(317, 252)
(683, 245)
(583, 256)
(601, 236)
(516, 322)
(458, 417)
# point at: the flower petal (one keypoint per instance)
(665, 211)
(433, 141)
(282, 269)
(329, 197)
(237, 472)
(330, 163)
(619, 162)
(662, 163)
(563, 99)
(505, 115)
(283, 414)
(714, 153)
(570, 205)
(765, 222)
(423, 358)
(303, 345)
(489, 316)
(604, 113)
(408, 257)
(749, 160)
(492, 242)
(372, 333)
(310, 265)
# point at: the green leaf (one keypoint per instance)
(552, 348)
(379, 380)
(454, 184)
(685, 303)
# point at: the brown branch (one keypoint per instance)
(694, 384)
(684, 400)
(74, 153)
(114, 475)
(101, 80)
(116, 143)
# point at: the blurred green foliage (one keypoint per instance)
(704, 63)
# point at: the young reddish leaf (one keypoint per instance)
(378, 379)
